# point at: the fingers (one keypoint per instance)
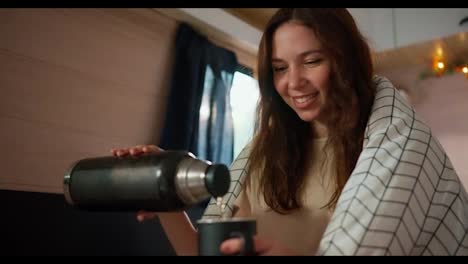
(234, 246)
(135, 151)
(120, 152)
(151, 148)
(145, 215)
(231, 246)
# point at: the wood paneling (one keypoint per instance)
(76, 82)
(257, 17)
(245, 54)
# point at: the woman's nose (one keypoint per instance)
(295, 78)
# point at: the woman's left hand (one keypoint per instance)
(262, 247)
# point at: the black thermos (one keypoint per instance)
(160, 182)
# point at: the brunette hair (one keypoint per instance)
(278, 153)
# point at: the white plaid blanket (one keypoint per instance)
(403, 197)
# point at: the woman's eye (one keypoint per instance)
(311, 62)
(279, 69)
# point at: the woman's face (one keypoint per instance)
(301, 70)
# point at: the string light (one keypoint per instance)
(465, 71)
(439, 51)
(440, 66)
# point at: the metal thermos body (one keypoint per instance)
(160, 182)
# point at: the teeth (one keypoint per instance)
(304, 98)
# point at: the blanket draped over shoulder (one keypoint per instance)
(403, 197)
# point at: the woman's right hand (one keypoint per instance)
(137, 151)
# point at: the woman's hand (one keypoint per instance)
(137, 151)
(262, 247)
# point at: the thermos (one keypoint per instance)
(160, 182)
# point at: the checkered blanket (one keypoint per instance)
(403, 197)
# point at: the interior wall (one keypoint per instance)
(75, 83)
(442, 104)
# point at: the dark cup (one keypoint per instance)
(212, 233)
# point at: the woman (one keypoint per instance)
(339, 163)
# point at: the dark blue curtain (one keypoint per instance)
(198, 115)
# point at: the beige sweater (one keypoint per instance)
(301, 230)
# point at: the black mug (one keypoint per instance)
(213, 232)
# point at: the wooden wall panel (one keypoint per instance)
(75, 83)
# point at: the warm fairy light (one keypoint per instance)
(439, 52)
(438, 66)
(465, 71)
(438, 63)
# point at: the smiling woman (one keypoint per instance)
(340, 163)
(300, 71)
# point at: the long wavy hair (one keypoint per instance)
(279, 149)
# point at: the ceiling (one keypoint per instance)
(454, 47)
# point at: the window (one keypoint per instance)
(244, 98)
